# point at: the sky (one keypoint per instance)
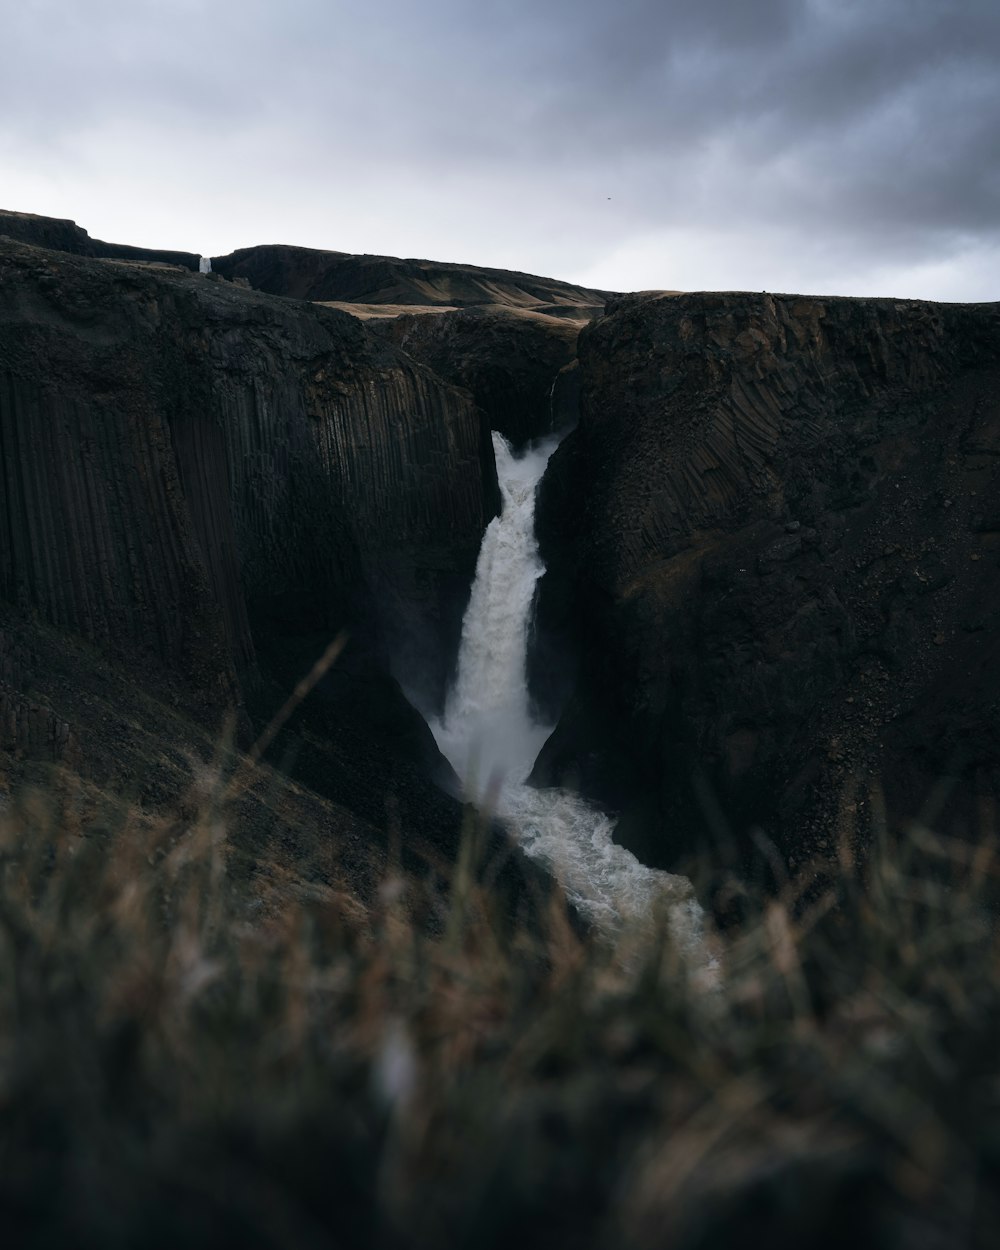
(822, 146)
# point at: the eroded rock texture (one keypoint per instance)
(773, 544)
(508, 360)
(210, 482)
(504, 336)
(28, 727)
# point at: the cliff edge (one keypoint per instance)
(773, 548)
(204, 484)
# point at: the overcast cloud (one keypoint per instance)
(823, 145)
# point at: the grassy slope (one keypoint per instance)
(183, 1065)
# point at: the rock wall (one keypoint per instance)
(209, 482)
(504, 336)
(773, 553)
(28, 728)
(508, 361)
(176, 449)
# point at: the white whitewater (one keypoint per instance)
(205, 264)
(488, 734)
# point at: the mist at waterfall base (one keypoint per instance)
(491, 740)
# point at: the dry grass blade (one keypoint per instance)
(313, 1072)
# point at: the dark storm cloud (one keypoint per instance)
(873, 124)
(884, 108)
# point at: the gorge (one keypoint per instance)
(491, 738)
(771, 592)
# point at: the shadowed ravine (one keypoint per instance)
(491, 739)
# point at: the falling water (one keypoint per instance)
(204, 264)
(491, 739)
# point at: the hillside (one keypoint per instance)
(374, 281)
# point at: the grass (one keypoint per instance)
(184, 1064)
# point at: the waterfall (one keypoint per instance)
(204, 264)
(488, 734)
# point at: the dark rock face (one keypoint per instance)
(211, 482)
(28, 727)
(508, 360)
(307, 273)
(504, 336)
(62, 235)
(773, 552)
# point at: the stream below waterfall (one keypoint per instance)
(489, 736)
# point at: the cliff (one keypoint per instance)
(27, 726)
(772, 548)
(63, 235)
(509, 361)
(206, 483)
(504, 336)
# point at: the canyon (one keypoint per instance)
(768, 620)
(202, 485)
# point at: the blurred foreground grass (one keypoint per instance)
(181, 1066)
